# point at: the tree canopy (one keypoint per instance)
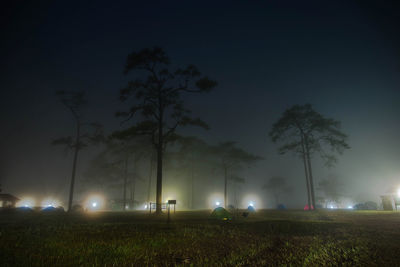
(305, 132)
(154, 96)
(75, 101)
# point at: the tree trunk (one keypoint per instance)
(235, 196)
(133, 185)
(306, 172)
(159, 179)
(192, 183)
(226, 187)
(311, 181)
(74, 164)
(150, 175)
(125, 182)
(236, 206)
(310, 175)
(133, 188)
(159, 161)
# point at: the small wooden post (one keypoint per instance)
(168, 212)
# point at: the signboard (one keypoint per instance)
(172, 201)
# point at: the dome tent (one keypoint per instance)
(281, 207)
(250, 208)
(221, 213)
(306, 207)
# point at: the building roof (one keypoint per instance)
(8, 197)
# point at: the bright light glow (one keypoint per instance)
(350, 207)
(212, 200)
(145, 206)
(252, 200)
(398, 192)
(26, 202)
(170, 196)
(50, 202)
(94, 202)
(331, 207)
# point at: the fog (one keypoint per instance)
(343, 60)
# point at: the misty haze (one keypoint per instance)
(227, 133)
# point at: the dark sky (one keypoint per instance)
(341, 56)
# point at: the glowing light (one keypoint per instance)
(252, 200)
(398, 192)
(331, 207)
(145, 206)
(213, 198)
(26, 202)
(350, 207)
(50, 202)
(94, 202)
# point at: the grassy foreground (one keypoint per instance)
(138, 239)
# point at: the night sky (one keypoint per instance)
(343, 57)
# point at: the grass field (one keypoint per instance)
(139, 239)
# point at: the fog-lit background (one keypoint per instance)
(343, 57)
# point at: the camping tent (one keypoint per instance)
(281, 207)
(221, 213)
(250, 208)
(307, 208)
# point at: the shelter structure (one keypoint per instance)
(8, 201)
(221, 213)
(306, 207)
(250, 208)
(281, 207)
